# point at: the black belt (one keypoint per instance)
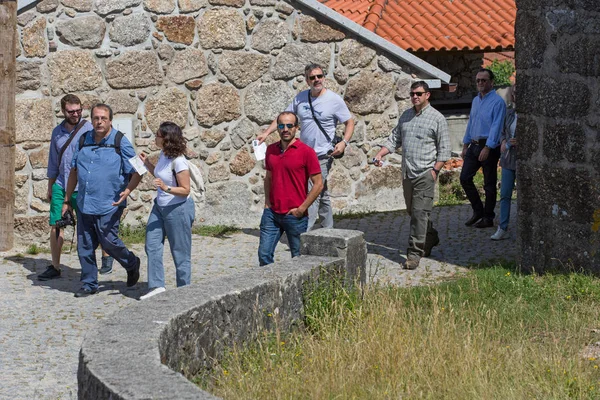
(480, 142)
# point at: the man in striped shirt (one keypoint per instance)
(422, 132)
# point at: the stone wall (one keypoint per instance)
(221, 69)
(155, 345)
(558, 102)
(462, 66)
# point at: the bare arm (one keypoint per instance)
(183, 184)
(50, 183)
(379, 156)
(317, 181)
(71, 185)
(263, 136)
(147, 163)
(348, 131)
(133, 182)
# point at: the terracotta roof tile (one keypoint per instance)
(423, 25)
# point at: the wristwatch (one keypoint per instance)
(168, 189)
(347, 142)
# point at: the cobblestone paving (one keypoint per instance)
(42, 325)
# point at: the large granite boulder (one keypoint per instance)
(222, 28)
(134, 69)
(242, 68)
(264, 101)
(217, 103)
(73, 71)
(168, 105)
(86, 32)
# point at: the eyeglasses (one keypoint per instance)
(418, 94)
(71, 112)
(289, 126)
(481, 80)
(313, 77)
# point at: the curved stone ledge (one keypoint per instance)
(142, 351)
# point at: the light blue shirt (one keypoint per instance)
(486, 119)
(102, 174)
(60, 135)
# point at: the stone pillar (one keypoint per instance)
(347, 244)
(558, 130)
(8, 33)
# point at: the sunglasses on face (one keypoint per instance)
(313, 77)
(72, 112)
(281, 126)
(418, 94)
(481, 80)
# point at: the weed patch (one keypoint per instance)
(132, 234)
(214, 230)
(34, 249)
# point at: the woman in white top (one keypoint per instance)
(173, 212)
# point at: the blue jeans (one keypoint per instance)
(94, 230)
(272, 226)
(506, 189)
(321, 208)
(174, 222)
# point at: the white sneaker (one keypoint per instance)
(153, 292)
(500, 234)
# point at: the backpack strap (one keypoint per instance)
(71, 137)
(117, 145)
(312, 110)
(173, 170)
(81, 140)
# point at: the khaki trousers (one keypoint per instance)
(418, 194)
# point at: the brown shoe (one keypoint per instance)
(412, 263)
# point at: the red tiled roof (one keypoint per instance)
(424, 25)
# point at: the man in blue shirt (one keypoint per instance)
(64, 137)
(105, 177)
(481, 149)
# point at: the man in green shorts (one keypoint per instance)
(65, 138)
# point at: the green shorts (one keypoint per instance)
(56, 203)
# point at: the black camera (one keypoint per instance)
(67, 219)
(336, 140)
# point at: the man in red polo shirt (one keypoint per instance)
(289, 164)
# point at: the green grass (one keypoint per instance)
(452, 193)
(132, 234)
(493, 334)
(137, 234)
(34, 249)
(214, 230)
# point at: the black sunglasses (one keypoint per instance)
(71, 112)
(313, 77)
(418, 94)
(289, 126)
(481, 80)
